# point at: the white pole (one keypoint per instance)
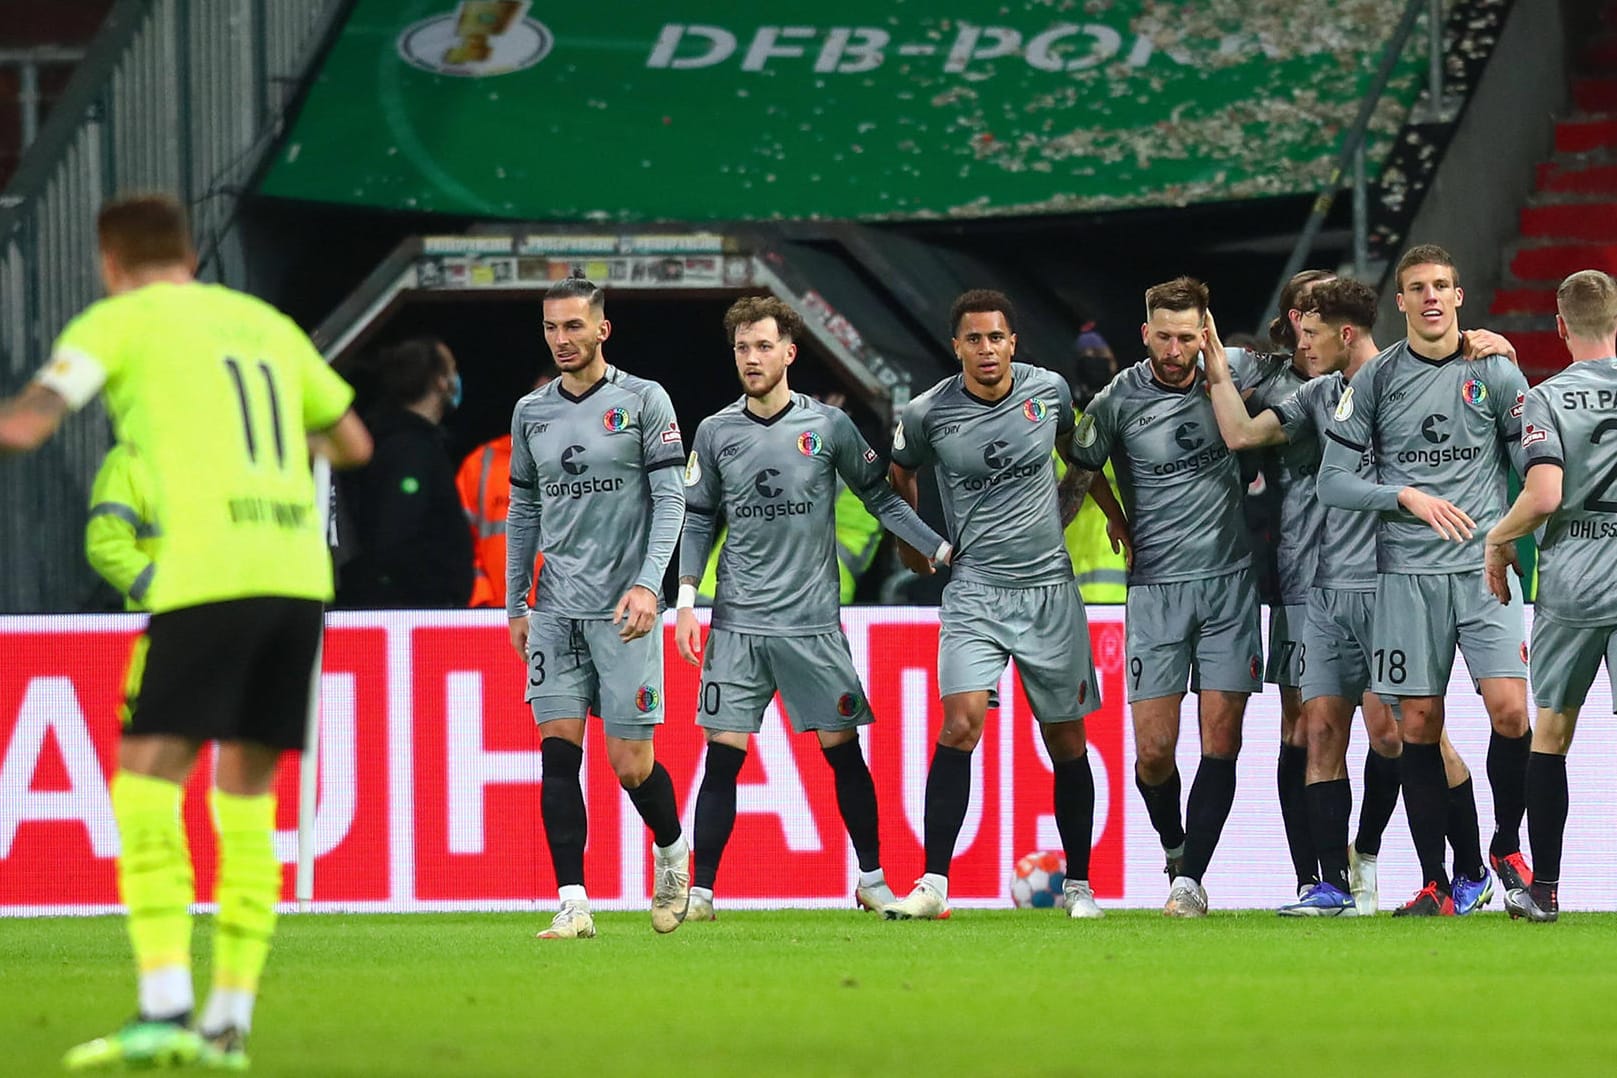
(309, 775)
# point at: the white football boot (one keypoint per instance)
(572, 922)
(1080, 898)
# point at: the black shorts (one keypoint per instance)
(230, 671)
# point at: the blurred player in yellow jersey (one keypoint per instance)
(223, 398)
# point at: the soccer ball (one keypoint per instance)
(1036, 882)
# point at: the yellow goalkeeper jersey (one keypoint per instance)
(215, 390)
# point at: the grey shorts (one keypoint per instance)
(1421, 618)
(1202, 632)
(579, 666)
(1043, 628)
(1286, 628)
(814, 674)
(1566, 659)
(1338, 638)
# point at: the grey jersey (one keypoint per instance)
(1295, 464)
(1571, 422)
(1447, 427)
(775, 483)
(996, 474)
(1180, 485)
(1349, 564)
(582, 492)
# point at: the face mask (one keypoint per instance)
(455, 390)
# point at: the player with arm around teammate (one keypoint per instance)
(989, 432)
(594, 483)
(1334, 651)
(1569, 437)
(1447, 428)
(770, 463)
(223, 398)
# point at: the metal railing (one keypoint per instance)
(184, 96)
(1434, 108)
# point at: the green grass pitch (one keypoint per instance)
(842, 993)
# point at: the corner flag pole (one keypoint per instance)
(309, 772)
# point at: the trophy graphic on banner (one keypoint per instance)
(477, 21)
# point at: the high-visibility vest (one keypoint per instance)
(484, 482)
(859, 535)
(120, 540)
(1102, 575)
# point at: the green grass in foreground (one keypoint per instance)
(829, 992)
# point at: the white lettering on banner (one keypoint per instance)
(721, 43)
(51, 705)
(918, 758)
(1041, 52)
(766, 43)
(852, 50)
(339, 771)
(469, 768)
(966, 49)
(865, 55)
(781, 794)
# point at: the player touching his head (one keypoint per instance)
(1446, 433)
(223, 398)
(594, 485)
(769, 464)
(990, 433)
(1192, 601)
(1569, 437)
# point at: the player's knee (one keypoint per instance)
(1154, 758)
(1387, 743)
(1223, 742)
(1509, 719)
(960, 734)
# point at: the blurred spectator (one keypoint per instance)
(407, 530)
(122, 532)
(484, 483)
(1096, 366)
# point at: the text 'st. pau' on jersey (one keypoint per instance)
(1570, 421)
(996, 474)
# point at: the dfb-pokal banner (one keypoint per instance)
(430, 777)
(707, 110)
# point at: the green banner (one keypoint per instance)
(700, 110)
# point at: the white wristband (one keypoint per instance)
(687, 597)
(943, 552)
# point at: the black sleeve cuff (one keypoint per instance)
(1339, 440)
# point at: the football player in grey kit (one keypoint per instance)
(1192, 602)
(1569, 436)
(1334, 652)
(595, 484)
(1296, 553)
(769, 464)
(1439, 424)
(990, 432)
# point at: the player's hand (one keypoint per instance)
(914, 560)
(1476, 343)
(636, 613)
(688, 636)
(1446, 518)
(1122, 542)
(1494, 563)
(1215, 362)
(519, 637)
